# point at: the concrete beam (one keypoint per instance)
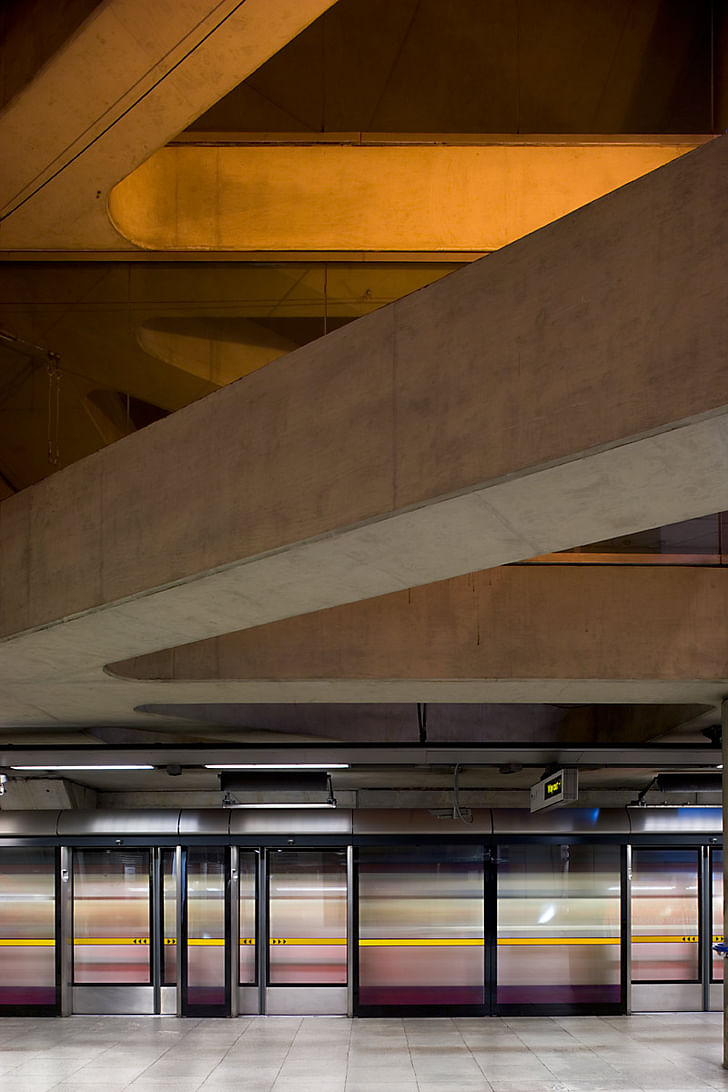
(38, 793)
(517, 634)
(380, 197)
(517, 622)
(154, 68)
(566, 389)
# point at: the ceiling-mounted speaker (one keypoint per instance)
(689, 782)
(274, 781)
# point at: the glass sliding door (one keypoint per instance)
(559, 928)
(666, 970)
(716, 900)
(112, 931)
(421, 930)
(307, 931)
(206, 925)
(28, 972)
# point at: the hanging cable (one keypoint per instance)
(465, 815)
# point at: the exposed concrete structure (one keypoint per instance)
(154, 68)
(407, 472)
(270, 195)
(566, 390)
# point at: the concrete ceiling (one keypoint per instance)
(149, 335)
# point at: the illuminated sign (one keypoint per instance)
(558, 788)
(553, 787)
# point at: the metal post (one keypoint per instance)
(350, 939)
(157, 928)
(234, 949)
(65, 936)
(627, 925)
(261, 940)
(705, 932)
(180, 910)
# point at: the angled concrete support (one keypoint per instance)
(154, 68)
(566, 389)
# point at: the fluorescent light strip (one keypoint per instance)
(95, 768)
(277, 766)
(274, 806)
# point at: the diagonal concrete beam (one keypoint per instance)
(554, 634)
(515, 623)
(153, 68)
(567, 389)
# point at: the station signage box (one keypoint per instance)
(561, 787)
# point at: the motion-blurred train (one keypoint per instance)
(366, 913)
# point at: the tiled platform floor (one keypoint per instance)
(292, 1054)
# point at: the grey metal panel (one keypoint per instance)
(350, 930)
(113, 1000)
(667, 997)
(306, 1000)
(248, 1001)
(716, 996)
(290, 821)
(144, 821)
(65, 923)
(561, 821)
(676, 820)
(204, 821)
(233, 909)
(29, 824)
(411, 821)
(168, 1001)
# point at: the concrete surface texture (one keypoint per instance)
(154, 69)
(434, 450)
(675, 1052)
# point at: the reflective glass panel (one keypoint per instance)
(27, 927)
(558, 924)
(716, 857)
(169, 917)
(307, 908)
(206, 879)
(665, 915)
(421, 926)
(111, 916)
(247, 870)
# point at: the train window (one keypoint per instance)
(169, 917)
(716, 883)
(558, 924)
(111, 916)
(247, 873)
(665, 915)
(421, 926)
(27, 927)
(307, 917)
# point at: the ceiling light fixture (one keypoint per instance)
(230, 803)
(88, 768)
(277, 766)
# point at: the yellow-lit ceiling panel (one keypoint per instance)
(371, 198)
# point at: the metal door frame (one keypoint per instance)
(184, 1008)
